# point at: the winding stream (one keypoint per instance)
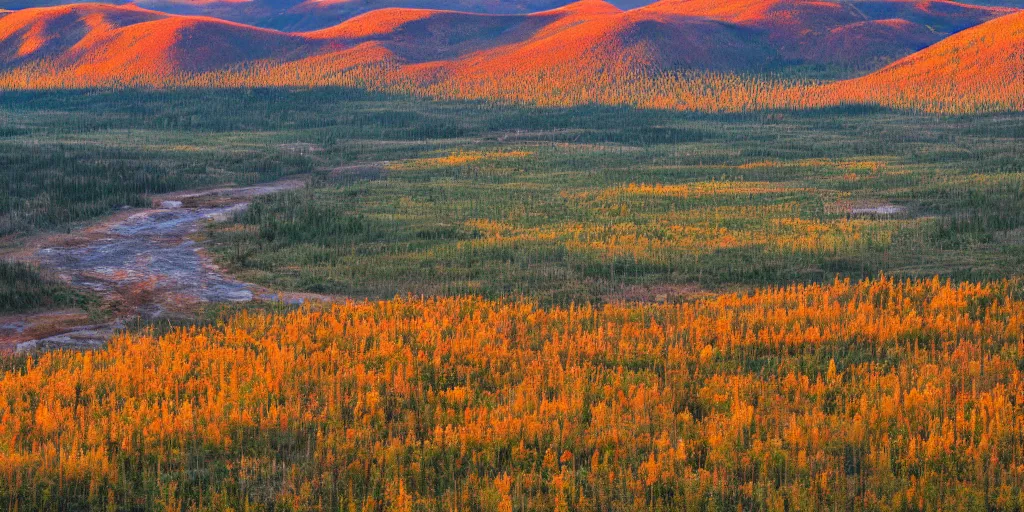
(146, 262)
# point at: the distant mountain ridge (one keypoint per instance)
(300, 15)
(571, 51)
(303, 15)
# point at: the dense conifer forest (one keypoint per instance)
(880, 394)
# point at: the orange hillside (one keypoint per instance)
(839, 32)
(689, 54)
(983, 65)
(621, 42)
(104, 42)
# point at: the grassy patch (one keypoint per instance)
(558, 204)
(25, 288)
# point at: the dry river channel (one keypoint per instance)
(142, 261)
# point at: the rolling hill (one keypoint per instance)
(299, 15)
(983, 65)
(595, 36)
(620, 42)
(588, 51)
(857, 33)
(586, 37)
(127, 43)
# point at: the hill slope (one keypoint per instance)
(595, 36)
(294, 15)
(982, 65)
(589, 51)
(298, 15)
(587, 37)
(857, 33)
(739, 35)
(104, 42)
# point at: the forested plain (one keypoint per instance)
(592, 308)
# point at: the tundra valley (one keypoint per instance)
(417, 255)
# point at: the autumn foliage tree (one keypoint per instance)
(874, 394)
